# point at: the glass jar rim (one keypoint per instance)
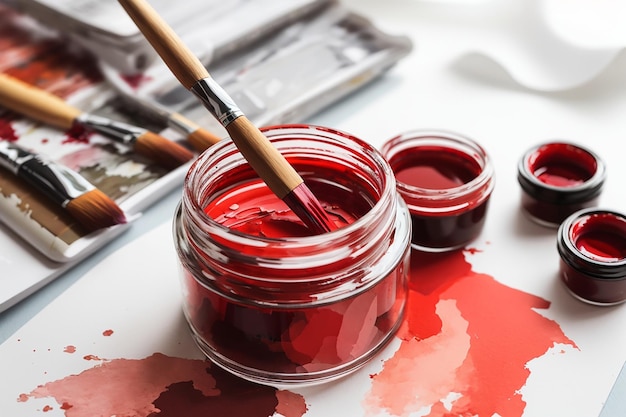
(325, 267)
(586, 190)
(454, 197)
(304, 131)
(569, 252)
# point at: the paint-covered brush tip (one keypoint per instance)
(166, 153)
(94, 210)
(304, 204)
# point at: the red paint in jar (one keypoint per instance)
(253, 210)
(558, 179)
(592, 247)
(446, 180)
(435, 168)
(267, 300)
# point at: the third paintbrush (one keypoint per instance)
(45, 107)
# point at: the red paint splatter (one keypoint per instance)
(135, 81)
(77, 134)
(6, 130)
(290, 404)
(473, 251)
(91, 358)
(22, 398)
(69, 349)
(162, 386)
(108, 332)
(47, 408)
(470, 335)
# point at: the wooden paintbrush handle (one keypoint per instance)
(180, 60)
(35, 103)
(266, 160)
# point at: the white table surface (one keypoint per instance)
(437, 86)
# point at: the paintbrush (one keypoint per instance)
(83, 201)
(264, 158)
(45, 107)
(197, 136)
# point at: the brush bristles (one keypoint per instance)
(94, 210)
(165, 152)
(202, 139)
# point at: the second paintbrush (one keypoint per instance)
(45, 107)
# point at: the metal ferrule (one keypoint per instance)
(146, 108)
(12, 156)
(122, 132)
(180, 126)
(216, 100)
(58, 182)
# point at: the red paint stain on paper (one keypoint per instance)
(69, 349)
(77, 134)
(164, 386)
(465, 344)
(7, 132)
(107, 332)
(135, 81)
(473, 251)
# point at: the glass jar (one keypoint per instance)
(592, 247)
(557, 179)
(446, 179)
(270, 302)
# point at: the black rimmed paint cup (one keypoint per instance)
(592, 247)
(557, 179)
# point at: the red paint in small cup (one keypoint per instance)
(446, 179)
(558, 179)
(592, 247)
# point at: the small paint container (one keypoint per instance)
(446, 179)
(592, 247)
(266, 299)
(558, 179)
